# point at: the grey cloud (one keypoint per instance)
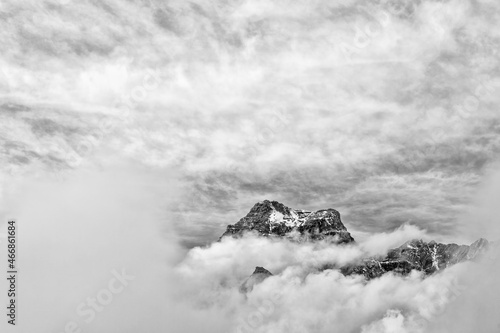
(252, 105)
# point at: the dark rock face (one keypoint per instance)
(261, 270)
(418, 255)
(271, 218)
(259, 275)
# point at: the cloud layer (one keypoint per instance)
(302, 298)
(75, 235)
(383, 111)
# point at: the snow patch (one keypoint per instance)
(276, 217)
(434, 258)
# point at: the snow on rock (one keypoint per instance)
(271, 218)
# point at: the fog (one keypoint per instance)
(75, 233)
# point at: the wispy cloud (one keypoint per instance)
(386, 112)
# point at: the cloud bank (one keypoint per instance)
(77, 235)
(301, 297)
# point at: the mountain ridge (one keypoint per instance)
(273, 219)
(418, 255)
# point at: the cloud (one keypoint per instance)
(73, 235)
(386, 113)
(299, 297)
(311, 103)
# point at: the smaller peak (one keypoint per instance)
(481, 242)
(261, 270)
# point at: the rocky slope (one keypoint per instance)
(271, 218)
(418, 255)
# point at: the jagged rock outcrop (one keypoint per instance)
(418, 255)
(271, 218)
(259, 275)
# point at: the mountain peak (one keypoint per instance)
(259, 275)
(272, 218)
(261, 270)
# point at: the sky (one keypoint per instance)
(383, 111)
(133, 132)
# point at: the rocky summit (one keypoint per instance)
(273, 219)
(418, 255)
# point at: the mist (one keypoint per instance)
(74, 234)
(117, 219)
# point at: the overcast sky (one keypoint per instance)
(386, 113)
